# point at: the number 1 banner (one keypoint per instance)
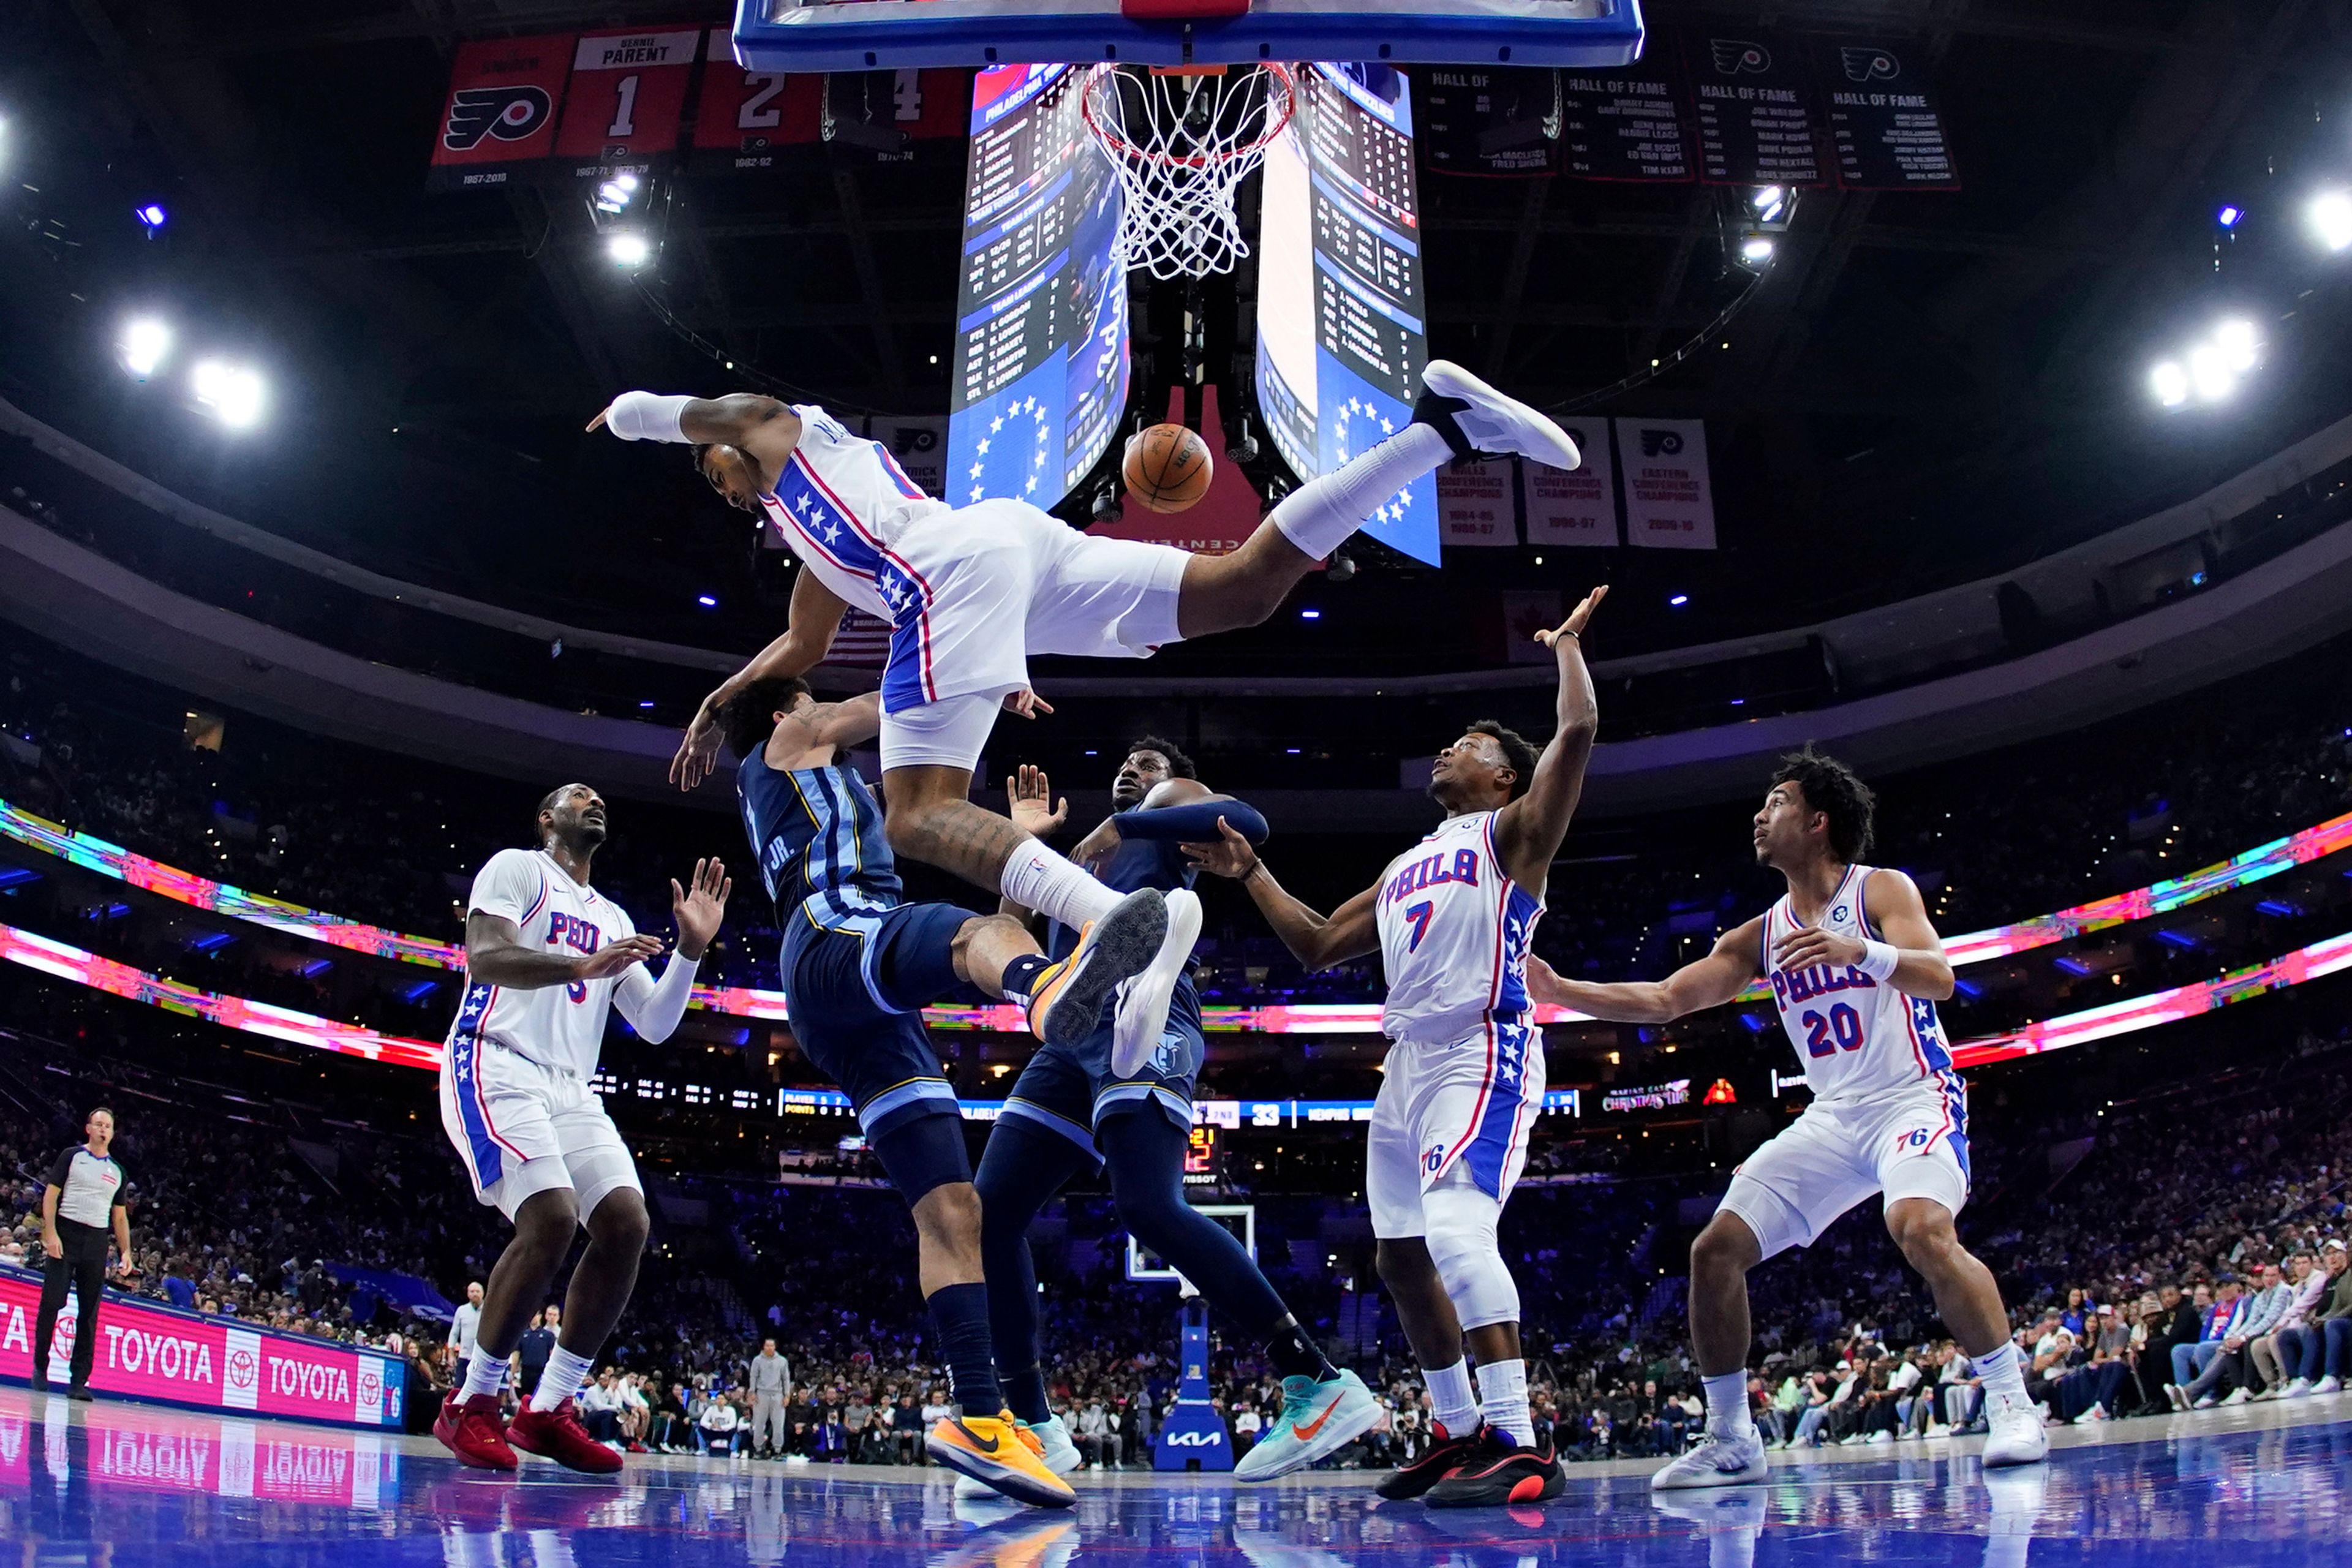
(627, 92)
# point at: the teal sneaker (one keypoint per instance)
(1318, 1420)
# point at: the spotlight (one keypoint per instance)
(707, 601)
(1310, 614)
(2238, 345)
(628, 249)
(2169, 382)
(233, 393)
(151, 215)
(145, 342)
(1755, 249)
(1768, 202)
(1679, 600)
(2229, 216)
(2209, 372)
(2330, 216)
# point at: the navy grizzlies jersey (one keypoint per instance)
(1135, 864)
(818, 835)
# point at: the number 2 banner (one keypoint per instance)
(746, 116)
(628, 89)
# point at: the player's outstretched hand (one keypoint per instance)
(1809, 945)
(1029, 801)
(697, 752)
(615, 956)
(603, 416)
(1543, 980)
(1231, 855)
(699, 909)
(1026, 703)
(1574, 624)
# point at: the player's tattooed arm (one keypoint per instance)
(762, 429)
(1529, 831)
(1891, 901)
(1317, 941)
(814, 617)
(1737, 959)
(495, 953)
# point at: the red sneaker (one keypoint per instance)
(470, 1428)
(557, 1434)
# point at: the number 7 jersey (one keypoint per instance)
(1454, 935)
(1856, 1039)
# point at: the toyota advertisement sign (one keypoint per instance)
(150, 1351)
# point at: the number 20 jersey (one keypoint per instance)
(1454, 935)
(1856, 1039)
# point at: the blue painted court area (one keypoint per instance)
(126, 1484)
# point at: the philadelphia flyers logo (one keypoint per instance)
(508, 113)
(1738, 56)
(1863, 63)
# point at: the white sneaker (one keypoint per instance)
(1880, 1439)
(1140, 1026)
(2094, 1415)
(2296, 1388)
(2238, 1396)
(2015, 1436)
(1719, 1462)
(1938, 1431)
(1068, 1004)
(2172, 1391)
(2207, 1402)
(1492, 423)
(2331, 1383)
(1853, 1440)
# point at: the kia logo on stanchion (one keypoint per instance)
(1195, 1439)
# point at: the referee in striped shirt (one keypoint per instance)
(84, 1199)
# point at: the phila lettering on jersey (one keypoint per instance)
(558, 1027)
(1856, 1039)
(843, 503)
(1454, 935)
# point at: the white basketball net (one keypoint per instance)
(1181, 145)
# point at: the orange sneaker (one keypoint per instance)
(1066, 1004)
(996, 1452)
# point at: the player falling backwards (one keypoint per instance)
(546, 958)
(971, 592)
(1073, 1110)
(860, 964)
(1856, 971)
(1451, 919)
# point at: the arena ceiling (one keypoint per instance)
(1923, 386)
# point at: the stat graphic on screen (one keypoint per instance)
(1341, 319)
(1040, 310)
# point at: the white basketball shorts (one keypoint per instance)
(1469, 1102)
(1912, 1145)
(522, 1127)
(999, 580)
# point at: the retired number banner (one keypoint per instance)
(627, 92)
(745, 118)
(500, 111)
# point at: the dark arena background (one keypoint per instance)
(1962, 388)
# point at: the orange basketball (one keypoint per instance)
(1167, 468)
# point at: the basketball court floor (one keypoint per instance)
(127, 1484)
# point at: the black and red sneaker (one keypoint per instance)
(1411, 1480)
(557, 1434)
(1497, 1473)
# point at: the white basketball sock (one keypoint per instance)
(2004, 1379)
(1451, 1400)
(1318, 515)
(1727, 1404)
(484, 1374)
(1503, 1400)
(1038, 878)
(564, 1375)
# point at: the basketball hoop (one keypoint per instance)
(1183, 140)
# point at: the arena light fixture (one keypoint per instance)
(2239, 345)
(1679, 600)
(2211, 369)
(2330, 217)
(1768, 202)
(1755, 249)
(628, 249)
(150, 216)
(234, 394)
(708, 601)
(2169, 382)
(145, 342)
(2231, 215)
(615, 194)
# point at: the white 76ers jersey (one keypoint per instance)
(1857, 1038)
(1454, 934)
(558, 1027)
(842, 503)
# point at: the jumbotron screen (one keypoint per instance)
(1343, 318)
(1041, 309)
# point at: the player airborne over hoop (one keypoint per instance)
(971, 592)
(1856, 971)
(1451, 919)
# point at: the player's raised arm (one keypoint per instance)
(495, 952)
(1737, 958)
(652, 1008)
(1527, 832)
(763, 429)
(1316, 940)
(1910, 958)
(809, 625)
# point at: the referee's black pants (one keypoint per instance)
(83, 1270)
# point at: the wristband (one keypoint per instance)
(1879, 959)
(647, 416)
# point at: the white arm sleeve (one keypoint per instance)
(653, 1007)
(647, 416)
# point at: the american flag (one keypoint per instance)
(862, 641)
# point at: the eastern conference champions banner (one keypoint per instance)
(1669, 500)
(151, 1352)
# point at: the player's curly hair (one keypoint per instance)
(749, 718)
(1519, 752)
(1179, 766)
(1833, 789)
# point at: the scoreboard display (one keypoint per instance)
(1341, 315)
(1041, 360)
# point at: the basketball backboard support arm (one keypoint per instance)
(868, 34)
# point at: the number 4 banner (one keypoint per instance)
(746, 116)
(627, 92)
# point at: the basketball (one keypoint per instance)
(1168, 468)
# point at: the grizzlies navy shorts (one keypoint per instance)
(856, 980)
(1071, 1091)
